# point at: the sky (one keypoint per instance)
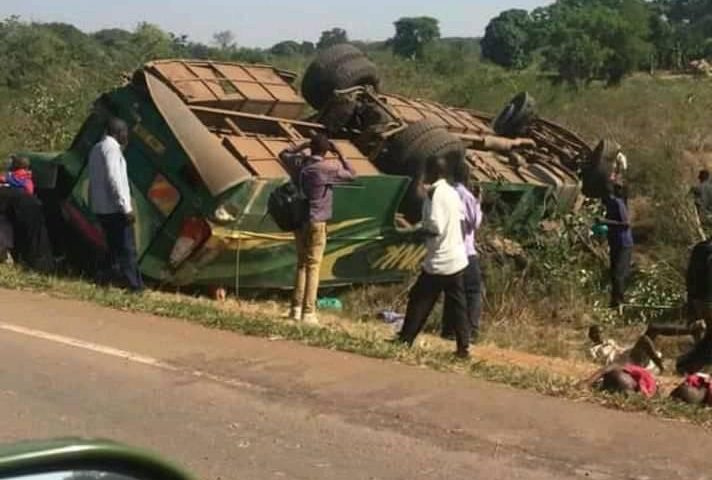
(262, 23)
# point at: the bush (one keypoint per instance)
(507, 41)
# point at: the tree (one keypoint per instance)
(413, 34)
(578, 58)
(507, 41)
(224, 40)
(663, 38)
(594, 39)
(332, 37)
(307, 48)
(286, 48)
(690, 22)
(27, 52)
(113, 37)
(150, 42)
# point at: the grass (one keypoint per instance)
(364, 341)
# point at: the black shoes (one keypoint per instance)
(462, 355)
(474, 337)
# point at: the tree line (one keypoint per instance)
(576, 40)
(585, 40)
(29, 51)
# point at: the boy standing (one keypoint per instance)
(620, 242)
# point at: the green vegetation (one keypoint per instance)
(413, 34)
(332, 37)
(507, 39)
(583, 40)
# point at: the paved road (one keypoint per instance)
(229, 407)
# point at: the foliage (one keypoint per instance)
(507, 39)
(657, 285)
(690, 25)
(597, 39)
(602, 39)
(27, 52)
(225, 40)
(50, 128)
(290, 48)
(413, 35)
(149, 42)
(286, 48)
(332, 37)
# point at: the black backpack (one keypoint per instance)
(288, 206)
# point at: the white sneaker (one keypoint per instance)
(310, 319)
(294, 313)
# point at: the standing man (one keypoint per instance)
(110, 200)
(699, 283)
(699, 304)
(471, 203)
(702, 194)
(445, 261)
(620, 241)
(316, 178)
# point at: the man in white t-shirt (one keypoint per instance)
(445, 261)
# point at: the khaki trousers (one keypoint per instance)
(311, 241)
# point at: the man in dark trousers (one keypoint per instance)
(620, 241)
(445, 261)
(471, 202)
(699, 303)
(110, 199)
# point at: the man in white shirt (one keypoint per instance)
(445, 261)
(110, 200)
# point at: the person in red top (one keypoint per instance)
(627, 378)
(695, 390)
(19, 176)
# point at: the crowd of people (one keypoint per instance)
(451, 216)
(633, 368)
(23, 231)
